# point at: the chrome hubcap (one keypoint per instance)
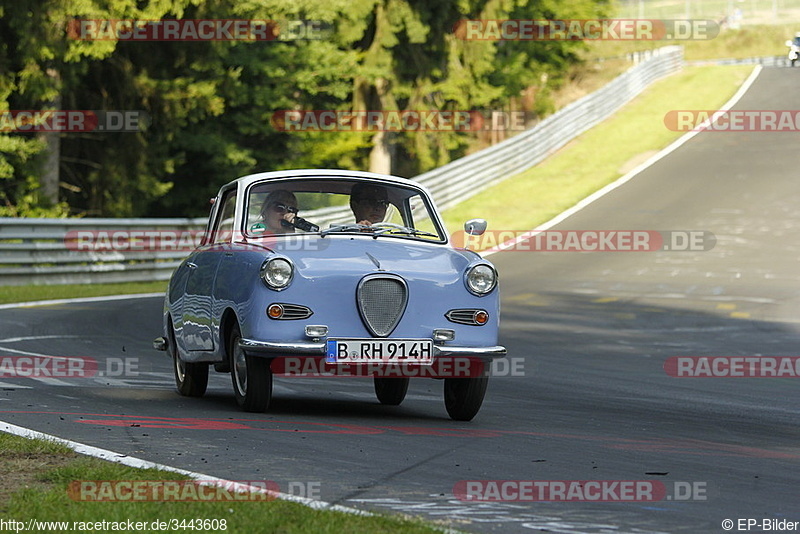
(240, 369)
(180, 368)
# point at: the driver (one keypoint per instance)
(369, 203)
(280, 206)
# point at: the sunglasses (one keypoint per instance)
(283, 208)
(375, 203)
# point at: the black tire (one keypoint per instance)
(251, 376)
(391, 391)
(191, 379)
(463, 396)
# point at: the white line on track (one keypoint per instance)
(56, 302)
(8, 385)
(626, 178)
(36, 338)
(26, 353)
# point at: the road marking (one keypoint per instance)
(8, 385)
(26, 353)
(522, 296)
(504, 513)
(529, 299)
(37, 303)
(32, 338)
(49, 381)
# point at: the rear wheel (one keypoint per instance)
(251, 376)
(191, 379)
(391, 391)
(463, 396)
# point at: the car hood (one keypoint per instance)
(350, 255)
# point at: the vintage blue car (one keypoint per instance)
(328, 273)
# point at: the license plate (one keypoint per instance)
(419, 351)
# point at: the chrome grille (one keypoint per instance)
(381, 302)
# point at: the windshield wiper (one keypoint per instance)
(376, 230)
(352, 227)
(404, 230)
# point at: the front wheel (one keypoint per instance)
(251, 376)
(391, 391)
(463, 396)
(191, 379)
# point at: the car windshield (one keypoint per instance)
(331, 206)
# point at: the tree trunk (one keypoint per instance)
(380, 157)
(50, 166)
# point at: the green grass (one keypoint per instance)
(44, 496)
(753, 11)
(9, 294)
(601, 155)
(10, 444)
(749, 41)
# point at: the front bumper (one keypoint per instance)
(317, 348)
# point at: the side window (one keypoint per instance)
(224, 225)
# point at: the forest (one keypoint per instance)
(211, 104)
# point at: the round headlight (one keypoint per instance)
(481, 279)
(277, 273)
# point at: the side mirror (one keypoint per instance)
(788, 43)
(475, 226)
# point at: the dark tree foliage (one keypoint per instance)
(211, 104)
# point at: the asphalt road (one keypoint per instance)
(590, 332)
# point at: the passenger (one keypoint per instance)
(277, 213)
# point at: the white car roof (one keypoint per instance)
(246, 181)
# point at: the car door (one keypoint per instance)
(203, 265)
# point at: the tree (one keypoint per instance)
(212, 104)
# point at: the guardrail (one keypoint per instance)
(56, 251)
(468, 176)
(765, 61)
(49, 251)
